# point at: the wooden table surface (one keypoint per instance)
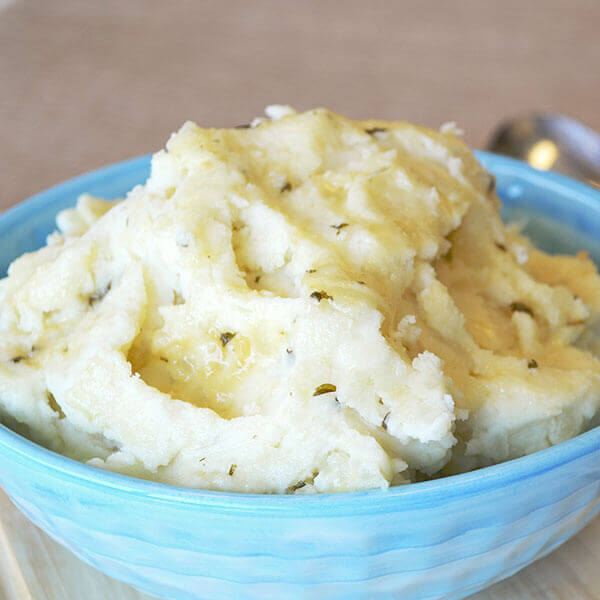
(86, 83)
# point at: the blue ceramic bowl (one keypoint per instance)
(439, 539)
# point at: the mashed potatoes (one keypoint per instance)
(311, 304)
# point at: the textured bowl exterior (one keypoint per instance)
(440, 539)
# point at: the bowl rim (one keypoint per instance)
(408, 496)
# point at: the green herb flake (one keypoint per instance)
(500, 246)
(99, 294)
(226, 337)
(311, 270)
(324, 388)
(374, 130)
(164, 359)
(520, 307)
(54, 405)
(532, 364)
(318, 296)
(339, 227)
(232, 469)
(20, 357)
(385, 420)
(286, 187)
(361, 283)
(244, 126)
(177, 298)
(295, 487)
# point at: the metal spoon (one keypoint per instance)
(551, 141)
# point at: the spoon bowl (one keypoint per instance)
(551, 141)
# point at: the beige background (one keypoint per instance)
(85, 83)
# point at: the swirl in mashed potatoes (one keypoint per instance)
(310, 304)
